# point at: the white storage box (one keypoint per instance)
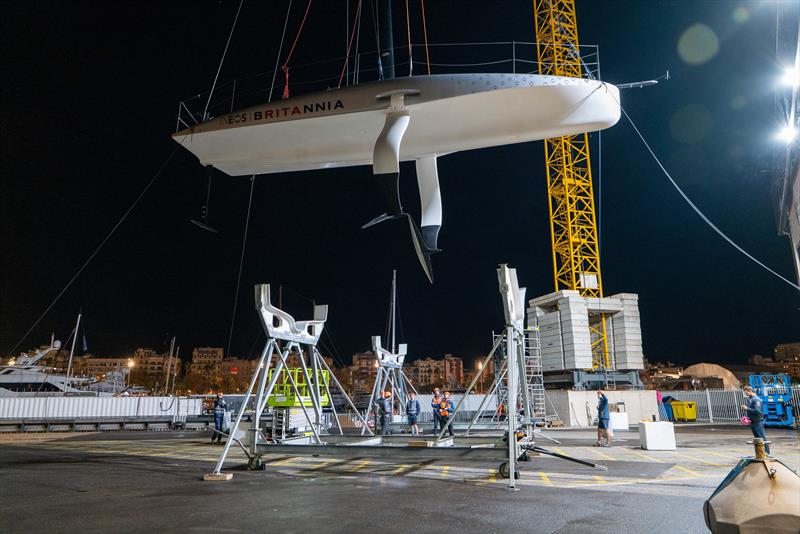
(657, 435)
(619, 421)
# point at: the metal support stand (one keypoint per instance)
(285, 337)
(389, 375)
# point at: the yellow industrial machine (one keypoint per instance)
(573, 225)
(284, 395)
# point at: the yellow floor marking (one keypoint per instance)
(492, 475)
(323, 464)
(401, 469)
(695, 458)
(544, 478)
(282, 463)
(648, 458)
(599, 479)
(359, 466)
(602, 454)
(559, 451)
(445, 470)
(687, 470)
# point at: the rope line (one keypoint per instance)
(222, 60)
(425, 36)
(350, 44)
(280, 50)
(241, 263)
(96, 250)
(697, 210)
(285, 66)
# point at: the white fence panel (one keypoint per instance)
(47, 408)
(724, 403)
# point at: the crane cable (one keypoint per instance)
(222, 60)
(285, 66)
(280, 50)
(350, 43)
(96, 250)
(425, 34)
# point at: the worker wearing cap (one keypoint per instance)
(385, 412)
(446, 410)
(412, 411)
(219, 417)
(755, 413)
(435, 402)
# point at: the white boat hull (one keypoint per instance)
(448, 113)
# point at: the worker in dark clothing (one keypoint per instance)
(755, 413)
(219, 416)
(385, 412)
(603, 418)
(435, 402)
(446, 410)
(413, 409)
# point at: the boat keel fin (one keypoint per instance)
(424, 253)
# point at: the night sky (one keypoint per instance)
(89, 98)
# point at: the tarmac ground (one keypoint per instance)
(152, 482)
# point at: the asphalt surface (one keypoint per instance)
(152, 482)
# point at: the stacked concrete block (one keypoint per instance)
(627, 333)
(565, 334)
(552, 349)
(575, 334)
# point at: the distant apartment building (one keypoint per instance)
(427, 372)
(452, 371)
(787, 352)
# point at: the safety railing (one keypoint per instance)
(515, 57)
(719, 405)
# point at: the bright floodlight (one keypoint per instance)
(787, 134)
(791, 77)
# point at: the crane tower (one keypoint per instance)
(573, 225)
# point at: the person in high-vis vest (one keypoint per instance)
(446, 409)
(435, 402)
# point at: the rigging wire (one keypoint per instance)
(96, 250)
(357, 65)
(697, 210)
(280, 50)
(285, 66)
(222, 60)
(241, 263)
(350, 44)
(410, 53)
(425, 34)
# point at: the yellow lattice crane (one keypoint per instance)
(573, 225)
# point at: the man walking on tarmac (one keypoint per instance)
(603, 418)
(435, 402)
(385, 412)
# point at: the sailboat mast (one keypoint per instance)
(386, 46)
(72, 353)
(394, 310)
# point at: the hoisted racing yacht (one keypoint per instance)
(416, 118)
